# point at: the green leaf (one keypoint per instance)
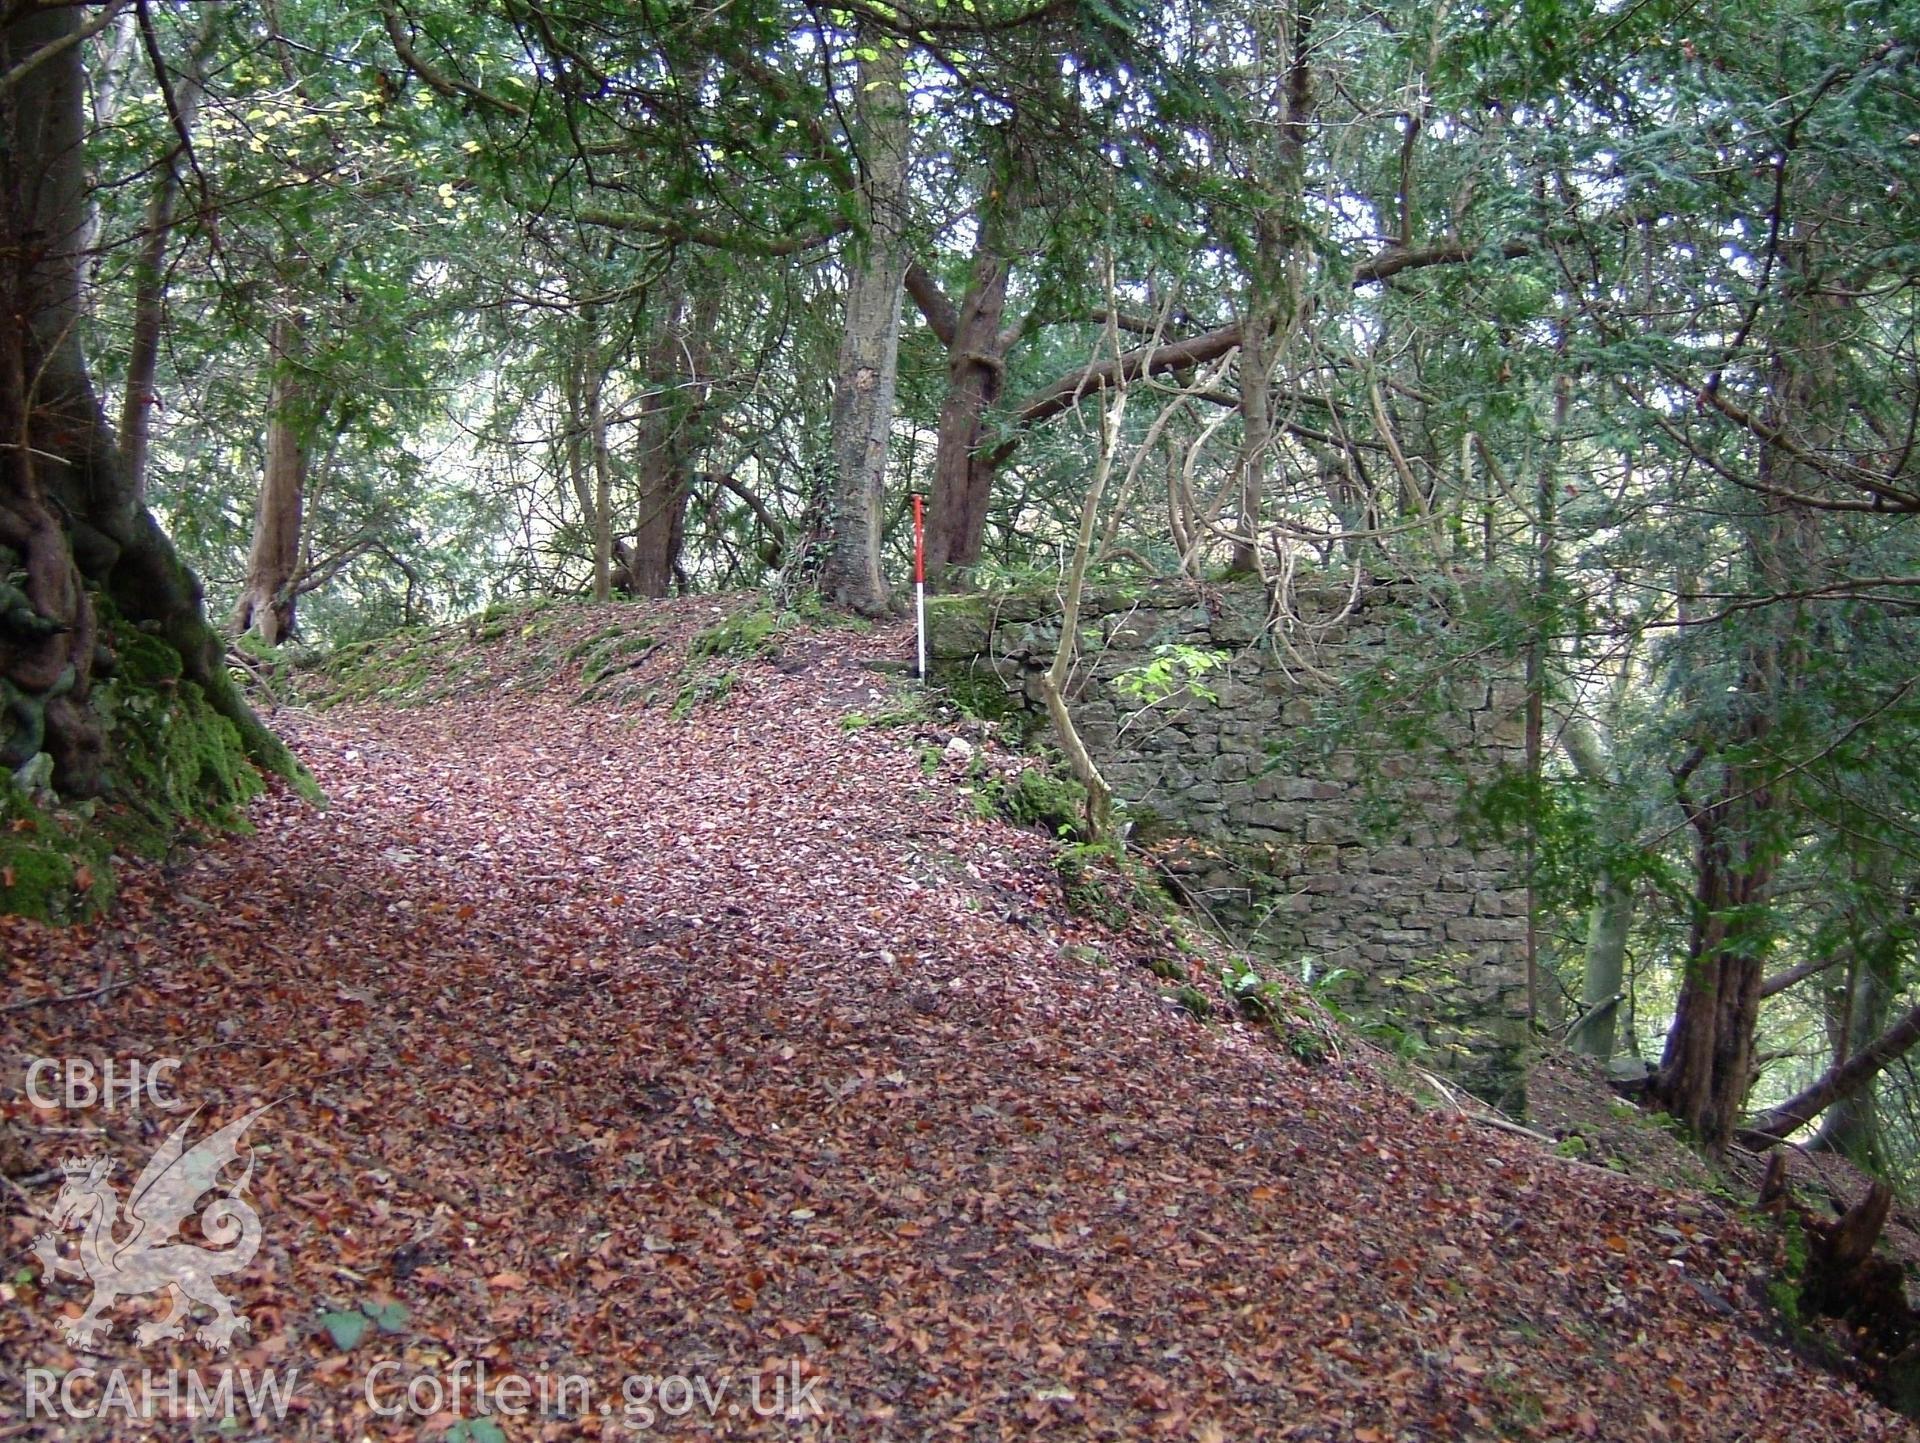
(390, 1316)
(347, 1330)
(475, 1430)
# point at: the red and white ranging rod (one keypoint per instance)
(920, 581)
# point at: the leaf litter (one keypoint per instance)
(610, 1044)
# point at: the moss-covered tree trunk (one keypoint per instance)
(71, 525)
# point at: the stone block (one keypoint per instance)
(1502, 729)
(1240, 622)
(1485, 929)
(1274, 816)
(1403, 861)
(1231, 767)
(1241, 738)
(1335, 829)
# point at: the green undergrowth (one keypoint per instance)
(175, 769)
(755, 633)
(1038, 797)
(530, 645)
(745, 636)
(639, 653)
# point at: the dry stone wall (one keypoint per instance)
(1325, 834)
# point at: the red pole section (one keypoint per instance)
(920, 581)
(919, 539)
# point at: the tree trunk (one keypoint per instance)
(1273, 303)
(1743, 832)
(69, 514)
(150, 279)
(976, 368)
(1611, 919)
(660, 527)
(1857, 1012)
(1708, 1063)
(574, 449)
(677, 362)
(1602, 988)
(273, 562)
(1256, 436)
(868, 363)
(594, 402)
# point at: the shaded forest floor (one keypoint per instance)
(611, 1043)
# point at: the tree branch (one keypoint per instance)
(438, 81)
(1800, 972)
(1060, 395)
(1838, 1084)
(941, 317)
(736, 242)
(59, 47)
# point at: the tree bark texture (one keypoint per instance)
(140, 399)
(678, 356)
(267, 601)
(70, 516)
(977, 345)
(868, 363)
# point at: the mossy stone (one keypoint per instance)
(958, 627)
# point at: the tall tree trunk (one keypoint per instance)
(1858, 1016)
(1740, 837)
(1608, 923)
(677, 363)
(150, 270)
(595, 415)
(1858, 1009)
(267, 601)
(977, 347)
(69, 515)
(1256, 431)
(1743, 832)
(661, 455)
(1273, 303)
(868, 363)
(1708, 1063)
(574, 448)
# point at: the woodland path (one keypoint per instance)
(610, 1044)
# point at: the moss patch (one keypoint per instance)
(177, 755)
(744, 636)
(699, 691)
(174, 764)
(1039, 798)
(958, 627)
(54, 864)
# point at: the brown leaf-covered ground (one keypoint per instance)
(616, 1046)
